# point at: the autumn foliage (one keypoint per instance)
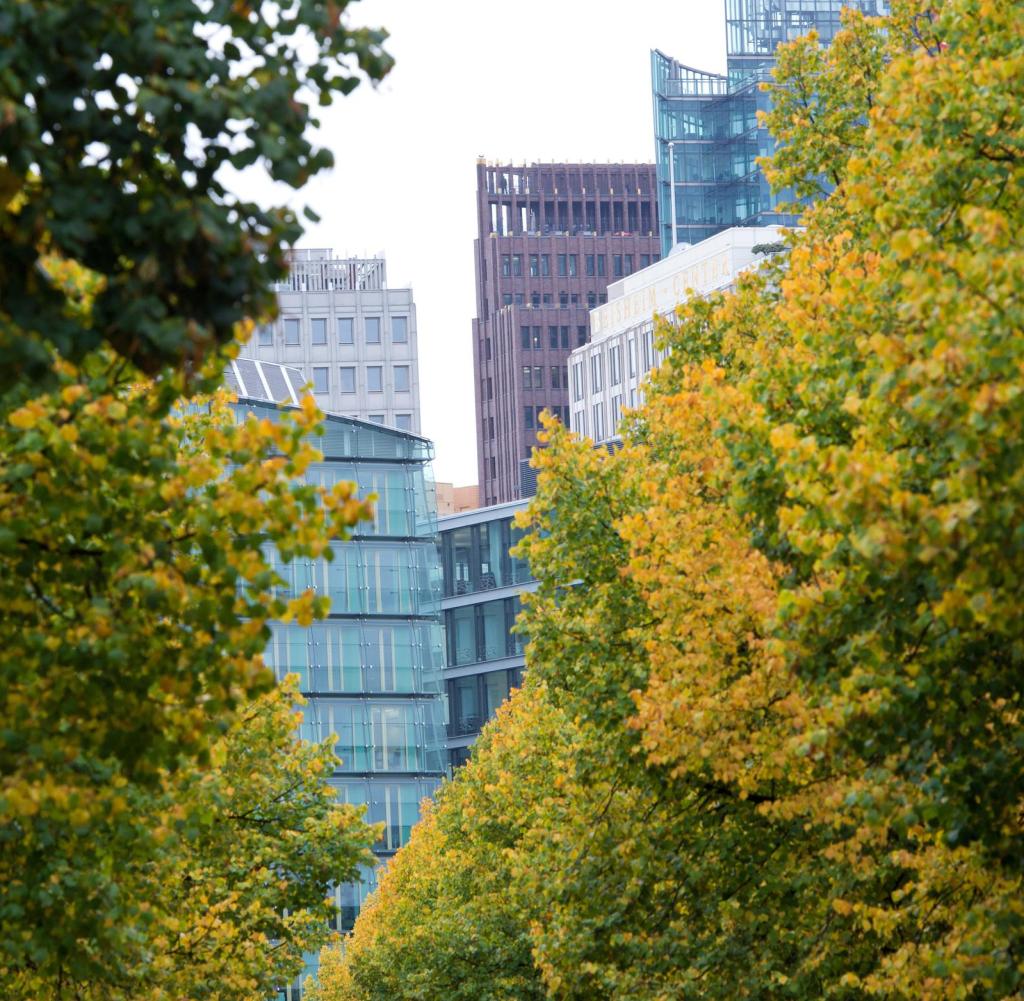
(771, 743)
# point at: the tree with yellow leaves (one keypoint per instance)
(783, 623)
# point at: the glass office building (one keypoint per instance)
(482, 587)
(371, 672)
(707, 137)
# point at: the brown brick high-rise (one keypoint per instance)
(551, 238)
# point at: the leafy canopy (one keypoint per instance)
(117, 123)
(781, 627)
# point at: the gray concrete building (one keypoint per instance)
(352, 338)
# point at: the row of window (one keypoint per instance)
(367, 577)
(474, 700)
(482, 632)
(340, 657)
(596, 425)
(533, 376)
(401, 378)
(401, 508)
(291, 327)
(477, 557)
(640, 359)
(531, 339)
(532, 421)
(565, 299)
(594, 265)
(393, 736)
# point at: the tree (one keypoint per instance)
(443, 921)
(237, 891)
(117, 121)
(783, 620)
(135, 595)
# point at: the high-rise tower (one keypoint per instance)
(551, 237)
(352, 337)
(705, 124)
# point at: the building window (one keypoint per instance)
(572, 265)
(375, 378)
(490, 388)
(562, 266)
(291, 331)
(553, 337)
(348, 378)
(591, 300)
(632, 357)
(490, 428)
(600, 264)
(555, 383)
(487, 348)
(494, 468)
(581, 335)
(598, 421)
(596, 371)
(534, 266)
(346, 334)
(563, 300)
(399, 330)
(545, 265)
(563, 337)
(506, 299)
(318, 330)
(629, 264)
(616, 265)
(401, 373)
(506, 266)
(517, 265)
(535, 300)
(589, 264)
(645, 260)
(535, 338)
(538, 376)
(577, 381)
(373, 330)
(579, 422)
(266, 335)
(524, 338)
(377, 418)
(527, 377)
(321, 380)
(528, 418)
(547, 299)
(616, 411)
(614, 366)
(403, 422)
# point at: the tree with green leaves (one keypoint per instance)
(136, 593)
(118, 122)
(784, 620)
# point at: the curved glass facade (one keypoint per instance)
(707, 137)
(371, 672)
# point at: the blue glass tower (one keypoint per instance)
(705, 124)
(371, 672)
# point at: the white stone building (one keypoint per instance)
(352, 338)
(607, 375)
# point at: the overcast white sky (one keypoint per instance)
(519, 81)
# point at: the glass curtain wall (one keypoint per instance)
(705, 124)
(371, 672)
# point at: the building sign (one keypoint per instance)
(663, 294)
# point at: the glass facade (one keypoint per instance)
(371, 672)
(705, 124)
(482, 586)
(477, 558)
